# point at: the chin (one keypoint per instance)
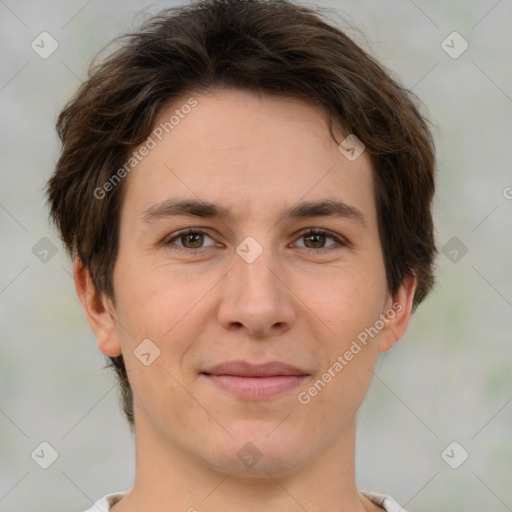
(260, 455)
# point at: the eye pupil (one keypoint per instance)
(193, 236)
(316, 236)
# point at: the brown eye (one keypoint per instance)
(316, 240)
(189, 239)
(195, 240)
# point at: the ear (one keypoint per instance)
(98, 310)
(397, 314)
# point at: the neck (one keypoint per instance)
(169, 479)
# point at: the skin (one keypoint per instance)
(254, 154)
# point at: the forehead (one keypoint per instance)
(251, 152)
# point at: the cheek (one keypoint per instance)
(348, 300)
(151, 299)
(167, 307)
(350, 307)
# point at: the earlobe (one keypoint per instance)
(398, 313)
(98, 310)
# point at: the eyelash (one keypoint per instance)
(313, 231)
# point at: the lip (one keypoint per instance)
(255, 381)
(246, 369)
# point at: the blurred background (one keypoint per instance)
(435, 428)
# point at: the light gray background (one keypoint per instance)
(450, 377)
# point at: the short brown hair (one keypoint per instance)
(275, 47)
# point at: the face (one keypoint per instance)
(250, 282)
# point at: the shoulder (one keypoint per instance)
(104, 504)
(386, 502)
(383, 501)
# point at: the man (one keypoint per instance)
(247, 198)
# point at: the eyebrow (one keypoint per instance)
(207, 209)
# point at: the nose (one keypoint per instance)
(257, 297)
